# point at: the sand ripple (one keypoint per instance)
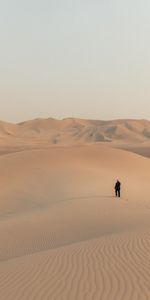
(108, 268)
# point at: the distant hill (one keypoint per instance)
(133, 135)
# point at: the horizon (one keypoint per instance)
(74, 118)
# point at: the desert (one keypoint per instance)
(63, 233)
(75, 150)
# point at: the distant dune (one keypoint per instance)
(132, 135)
(63, 233)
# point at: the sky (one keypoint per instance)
(74, 58)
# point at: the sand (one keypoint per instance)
(131, 135)
(63, 234)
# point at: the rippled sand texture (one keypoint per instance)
(111, 267)
(63, 234)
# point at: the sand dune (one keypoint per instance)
(63, 233)
(139, 148)
(132, 135)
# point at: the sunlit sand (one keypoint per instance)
(63, 233)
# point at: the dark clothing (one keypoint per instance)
(117, 192)
(117, 188)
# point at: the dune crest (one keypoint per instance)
(63, 233)
(131, 135)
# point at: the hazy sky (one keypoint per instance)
(75, 58)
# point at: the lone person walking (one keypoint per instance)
(117, 188)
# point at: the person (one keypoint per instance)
(117, 188)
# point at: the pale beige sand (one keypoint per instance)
(63, 234)
(108, 268)
(132, 135)
(139, 148)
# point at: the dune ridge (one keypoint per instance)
(132, 135)
(63, 233)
